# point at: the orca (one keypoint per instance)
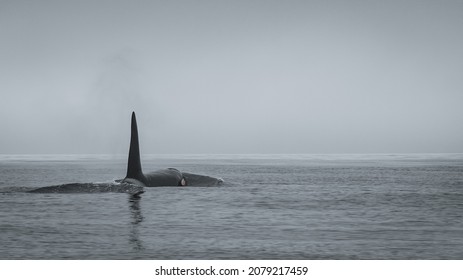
(136, 180)
(159, 178)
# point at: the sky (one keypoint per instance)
(245, 76)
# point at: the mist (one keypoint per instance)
(231, 76)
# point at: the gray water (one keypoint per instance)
(270, 207)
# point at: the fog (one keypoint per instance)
(231, 76)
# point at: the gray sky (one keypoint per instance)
(231, 76)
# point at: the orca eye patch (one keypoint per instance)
(182, 182)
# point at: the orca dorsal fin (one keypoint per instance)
(134, 164)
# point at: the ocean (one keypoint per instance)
(386, 206)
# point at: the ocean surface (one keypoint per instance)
(270, 207)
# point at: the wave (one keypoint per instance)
(114, 187)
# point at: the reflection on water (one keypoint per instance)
(136, 219)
